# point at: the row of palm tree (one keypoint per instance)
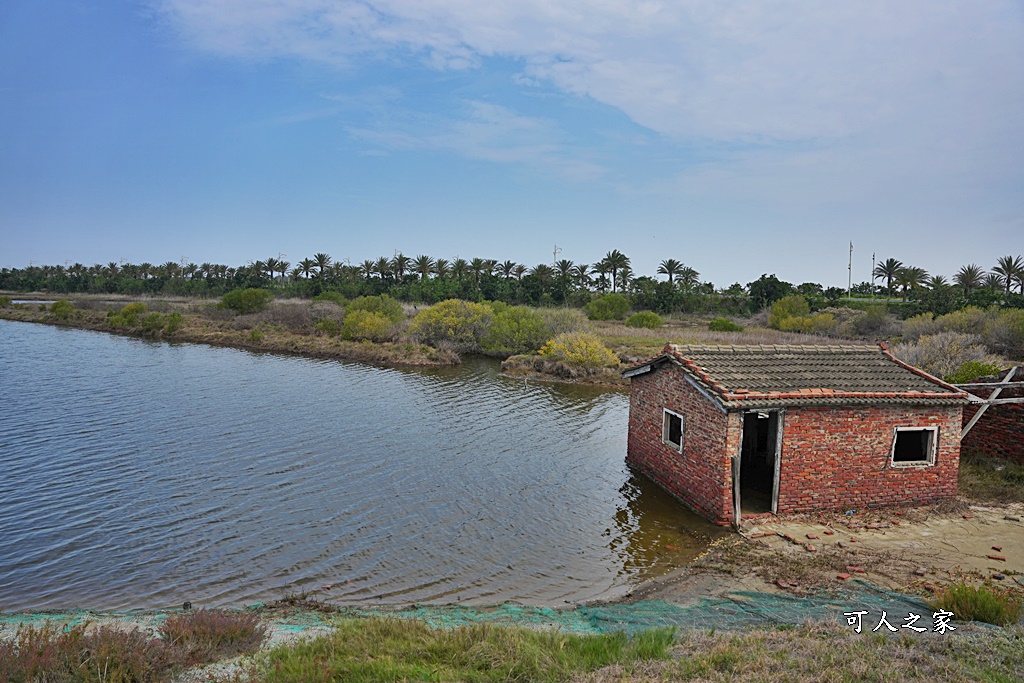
(1005, 275)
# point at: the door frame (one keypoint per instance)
(737, 459)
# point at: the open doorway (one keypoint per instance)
(759, 453)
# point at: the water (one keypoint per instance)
(142, 474)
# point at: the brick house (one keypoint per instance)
(741, 430)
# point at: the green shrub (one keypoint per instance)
(5, 301)
(360, 325)
(63, 309)
(970, 371)
(174, 322)
(608, 307)
(792, 306)
(819, 323)
(979, 604)
(580, 349)
(152, 323)
(514, 330)
(561, 320)
(454, 322)
(942, 354)
(329, 326)
(383, 304)
(243, 301)
(647, 319)
(333, 297)
(128, 316)
(256, 335)
(968, 320)
(724, 325)
(1005, 333)
(919, 326)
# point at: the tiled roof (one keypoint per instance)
(777, 376)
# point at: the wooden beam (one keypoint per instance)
(989, 401)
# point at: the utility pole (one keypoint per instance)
(554, 255)
(872, 275)
(849, 282)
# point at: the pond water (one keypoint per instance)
(139, 474)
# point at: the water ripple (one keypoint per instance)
(142, 474)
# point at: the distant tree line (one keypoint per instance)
(428, 280)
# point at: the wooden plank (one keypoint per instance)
(988, 401)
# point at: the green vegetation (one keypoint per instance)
(128, 316)
(256, 335)
(78, 654)
(329, 326)
(608, 307)
(580, 349)
(970, 371)
(63, 309)
(362, 325)
(514, 330)
(724, 325)
(646, 319)
(460, 325)
(943, 354)
(5, 301)
(399, 650)
(383, 305)
(243, 301)
(989, 479)
(979, 603)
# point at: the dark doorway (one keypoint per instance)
(757, 465)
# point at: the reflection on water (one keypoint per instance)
(143, 474)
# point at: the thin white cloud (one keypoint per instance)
(488, 132)
(916, 93)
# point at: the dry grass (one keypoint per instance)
(829, 652)
(986, 479)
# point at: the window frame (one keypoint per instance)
(933, 447)
(665, 430)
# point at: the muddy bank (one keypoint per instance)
(536, 367)
(198, 330)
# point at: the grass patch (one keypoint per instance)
(987, 479)
(979, 603)
(397, 650)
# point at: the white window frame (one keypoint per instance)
(933, 447)
(665, 429)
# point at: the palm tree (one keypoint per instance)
(441, 267)
(366, 269)
(581, 272)
(506, 268)
(477, 266)
(282, 267)
(888, 269)
(615, 260)
(992, 282)
(689, 278)
(296, 272)
(670, 267)
(170, 268)
(399, 264)
(543, 272)
(911, 277)
(564, 268)
(271, 265)
(936, 282)
(969, 277)
(459, 268)
(625, 277)
(111, 269)
(519, 271)
(424, 265)
(1010, 269)
(307, 266)
(382, 266)
(322, 261)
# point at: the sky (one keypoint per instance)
(740, 138)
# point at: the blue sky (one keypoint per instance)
(739, 138)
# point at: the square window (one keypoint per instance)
(914, 445)
(672, 430)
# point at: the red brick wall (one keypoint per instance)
(832, 458)
(700, 476)
(1000, 431)
(839, 458)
